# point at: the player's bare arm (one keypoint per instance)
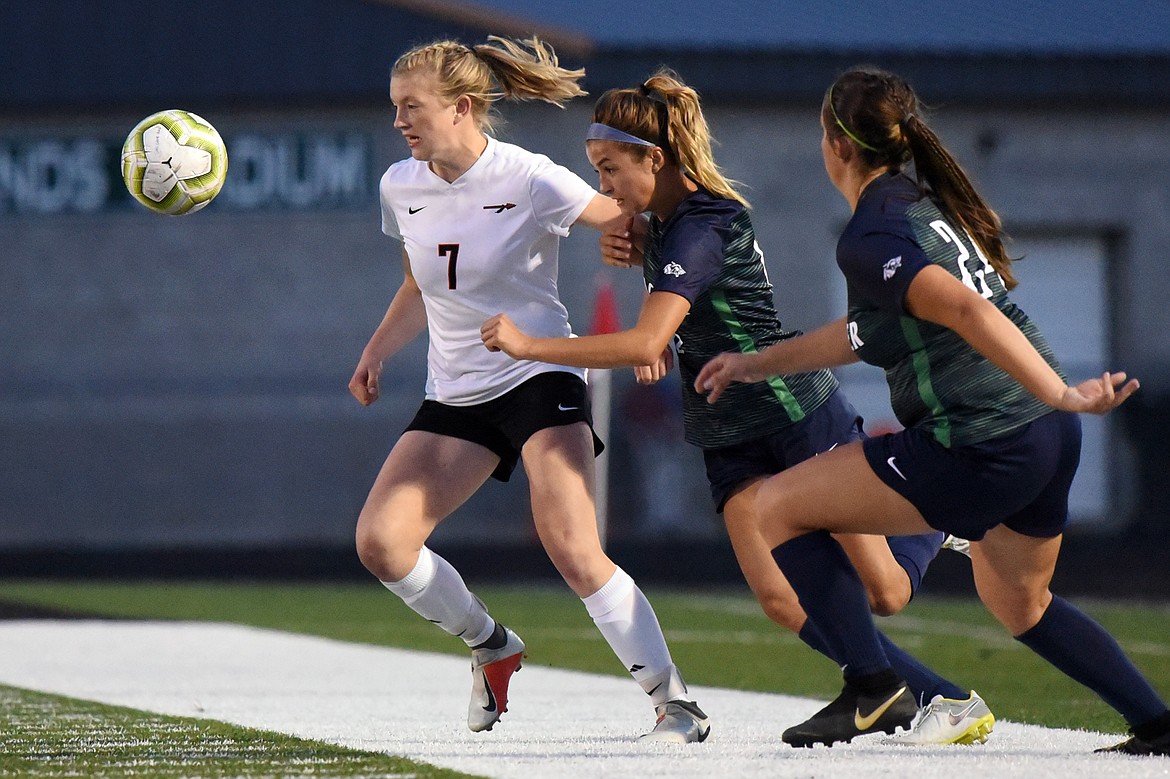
(623, 249)
(937, 296)
(405, 318)
(825, 347)
(655, 372)
(602, 214)
(641, 345)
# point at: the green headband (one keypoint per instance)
(845, 129)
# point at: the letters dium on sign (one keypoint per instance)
(297, 172)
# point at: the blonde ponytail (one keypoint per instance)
(667, 113)
(529, 70)
(488, 72)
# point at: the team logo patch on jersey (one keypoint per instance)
(674, 269)
(891, 267)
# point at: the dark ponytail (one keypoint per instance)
(880, 113)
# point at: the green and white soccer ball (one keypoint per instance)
(174, 162)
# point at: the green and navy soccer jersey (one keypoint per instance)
(937, 381)
(707, 253)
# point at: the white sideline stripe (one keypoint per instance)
(561, 723)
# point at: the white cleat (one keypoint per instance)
(491, 671)
(956, 544)
(679, 722)
(948, 721)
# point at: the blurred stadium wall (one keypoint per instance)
(173, 390)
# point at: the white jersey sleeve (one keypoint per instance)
(559, 196)
(389, 221)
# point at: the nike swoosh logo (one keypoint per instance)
(957, 718)
(491, 704)
(562, 407)
(890, 462)
(415, 210)
(866, 722)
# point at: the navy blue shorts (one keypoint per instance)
(1020, 480)
(833, 422)
(505, 423)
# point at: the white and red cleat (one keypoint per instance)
(491, 671)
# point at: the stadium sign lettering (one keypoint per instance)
(294, 171)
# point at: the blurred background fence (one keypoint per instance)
(173, 390)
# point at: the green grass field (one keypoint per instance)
(719, 639)
(49, 736)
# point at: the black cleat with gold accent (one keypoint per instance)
(1152, 738)
(877, 703)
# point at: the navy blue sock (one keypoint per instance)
(923, 682)
(813, 637)
(834, 599)
(914, 553)
(1070, 640)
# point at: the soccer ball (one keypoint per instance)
(174, 162)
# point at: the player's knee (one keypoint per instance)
(380, 551)
(782, 608)
(1021, 619)
(371, 550)
(1020, 612)
(888, 601)
(888, 590)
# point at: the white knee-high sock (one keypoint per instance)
(434, 589)
(626, 619)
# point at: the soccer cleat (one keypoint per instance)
(679, 722)
(1158, 747)
(949, 721)
(956, 544)
(853, 714)
(491, 671)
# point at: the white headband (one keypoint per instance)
(603, 132)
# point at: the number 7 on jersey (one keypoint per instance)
(451, 252)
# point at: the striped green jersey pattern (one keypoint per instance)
(937, 381)
(732, 310)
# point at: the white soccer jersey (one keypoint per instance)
(484, 244)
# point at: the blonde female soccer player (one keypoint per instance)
(480, 222)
